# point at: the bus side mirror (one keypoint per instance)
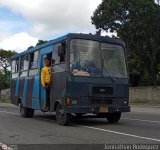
(61, 51)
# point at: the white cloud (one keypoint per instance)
(55, 17)
(46, 18)
(8, 26)
(18, 42)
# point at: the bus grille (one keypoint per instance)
(102, 90)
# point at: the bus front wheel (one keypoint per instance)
(62, 116)
(113, 117)
(26, 112)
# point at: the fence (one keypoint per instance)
(5, 95)
(150, 95)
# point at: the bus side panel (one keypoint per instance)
(13, 92)
(35, 94)
(21, 87)
(58, 88)
(24, 91)
(42, 97)
(29, 91)
(17, 88)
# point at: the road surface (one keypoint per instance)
(141, 126)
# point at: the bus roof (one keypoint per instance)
(72, 35)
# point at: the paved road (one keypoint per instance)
(142, 125)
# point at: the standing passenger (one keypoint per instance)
(46, 80)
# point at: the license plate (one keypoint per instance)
(103, 109)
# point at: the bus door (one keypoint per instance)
(42, 90)
(58, 73)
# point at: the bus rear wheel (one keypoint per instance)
(62, 116)
(113, 117)
(26, 112)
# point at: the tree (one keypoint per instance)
(137, 22)
(134, 72)
(30, 47)
(5, 59)
(40, 42)
(5, 65)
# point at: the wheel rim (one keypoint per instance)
(60, 114)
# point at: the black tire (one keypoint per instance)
(26, 112)
(61, 116)
(113, 117)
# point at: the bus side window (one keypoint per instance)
(62, 51)
(59, 52)
(15, 68)
(24, 64)
(34, 57)
(34, 63)
(17, 65)
(55, 54)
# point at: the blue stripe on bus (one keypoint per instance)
(35, 94)
(24, 92)
(17, 87)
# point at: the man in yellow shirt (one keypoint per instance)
(46, 80)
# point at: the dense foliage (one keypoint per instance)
(137, 22)
(5, 66)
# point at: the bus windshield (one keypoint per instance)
(85, 58)
(95, 59)
(113, 59)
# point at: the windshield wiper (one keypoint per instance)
(111, 74)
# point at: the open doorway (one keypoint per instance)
(46, 70)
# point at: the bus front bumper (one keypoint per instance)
(97, 109)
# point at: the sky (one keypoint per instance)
(24, 22)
